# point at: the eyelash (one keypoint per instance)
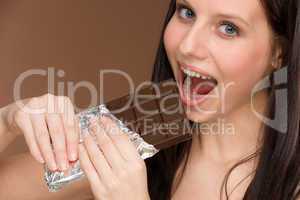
(180, 7)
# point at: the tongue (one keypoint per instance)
(201, 86)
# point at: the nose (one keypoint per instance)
(194, 44)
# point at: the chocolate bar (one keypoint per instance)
(152, 116)
(155, 112)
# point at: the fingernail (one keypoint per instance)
(67, 165)
(53, 166)
(41, 160)
(73, 156)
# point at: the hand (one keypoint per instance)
(112, 164)
(48, 125)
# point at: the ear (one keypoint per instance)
(277, 56)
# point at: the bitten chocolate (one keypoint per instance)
(155, 112)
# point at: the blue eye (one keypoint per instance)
(184, 12)
(229, 29)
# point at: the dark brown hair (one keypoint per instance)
(278, 171)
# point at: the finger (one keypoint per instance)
(42, 136)
(56, 130)
(111, 153)
(99, 162)
(89, 170)
(121, 140)
(24, 124)
(72, 136)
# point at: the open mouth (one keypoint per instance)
(194, 85)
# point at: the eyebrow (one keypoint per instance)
(228, 16)
(188, 3)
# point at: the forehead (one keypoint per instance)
(249, 10)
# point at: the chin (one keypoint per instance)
(199, 116)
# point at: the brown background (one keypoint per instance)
(80, 37)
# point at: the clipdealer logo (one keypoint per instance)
(279, 121)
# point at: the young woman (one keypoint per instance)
(234, 44)
(239, 42)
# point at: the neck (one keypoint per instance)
(233, 136)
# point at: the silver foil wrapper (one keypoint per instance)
(56, 180)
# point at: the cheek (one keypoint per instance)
(244, 66)
(173, 35)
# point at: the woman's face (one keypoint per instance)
(228, 40)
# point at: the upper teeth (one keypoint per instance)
(195, 74)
